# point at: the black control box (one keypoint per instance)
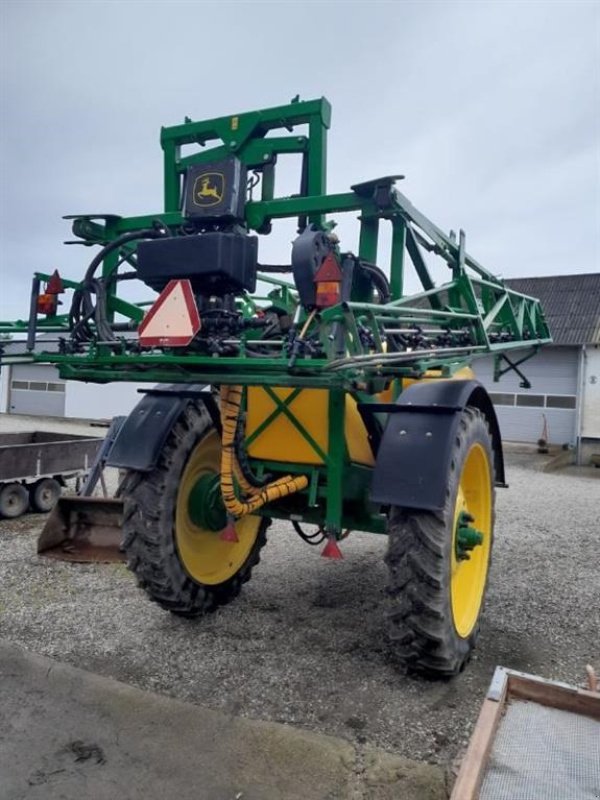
(215, 191)
(216, 263)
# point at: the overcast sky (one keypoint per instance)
(491, 110)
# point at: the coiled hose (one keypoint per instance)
(83, 309)
(258, 496)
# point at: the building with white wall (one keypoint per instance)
(38, 390)
(563, 404)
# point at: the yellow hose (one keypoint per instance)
(245, 486)
(231, 399)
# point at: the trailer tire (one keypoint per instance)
(14, 500)
(164, 547)
(435, 595)
(44, 495)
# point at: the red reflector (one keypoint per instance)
(173, 320)
(328, 280)
(329, 270)
(55, 284)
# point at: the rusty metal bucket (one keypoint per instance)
(84, 529)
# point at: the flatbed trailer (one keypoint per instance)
(34, 466)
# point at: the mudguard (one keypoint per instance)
(146, 429)
(413, 457)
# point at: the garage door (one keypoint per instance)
(547, 410)
(36, 390)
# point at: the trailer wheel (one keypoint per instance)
(44, 495)
(173, 518)
(438, 562)
(14, 500)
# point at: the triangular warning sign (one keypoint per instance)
(55, 284)
(173, 320)
(329, 270)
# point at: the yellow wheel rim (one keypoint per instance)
(468, 577)
(206, 557)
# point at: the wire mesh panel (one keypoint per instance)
(542, 753)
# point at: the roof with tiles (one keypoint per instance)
(571, 305)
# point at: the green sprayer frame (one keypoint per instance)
(473, 314)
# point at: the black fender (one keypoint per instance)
(413, 457)
(145, 431)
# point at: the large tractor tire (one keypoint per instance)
(173, 519)
(439, 561)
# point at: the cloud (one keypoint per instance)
(492, 110)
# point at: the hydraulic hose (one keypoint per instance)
(231, 399)
(146, 233)
(83, 309)
(379, 279)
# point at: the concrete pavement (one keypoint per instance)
(67, 734)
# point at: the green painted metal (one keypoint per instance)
(467, 538)
(337, 456)
(205, 504)
(359, 347)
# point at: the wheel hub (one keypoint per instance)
(467, 538)
(205, 504)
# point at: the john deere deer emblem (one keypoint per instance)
(209, 188)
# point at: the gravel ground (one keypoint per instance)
(303, 644)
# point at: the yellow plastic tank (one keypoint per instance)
(282, 441)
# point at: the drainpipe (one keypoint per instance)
(581, 370)
(5, 373)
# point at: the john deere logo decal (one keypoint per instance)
(209, 188)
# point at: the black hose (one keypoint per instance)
(83, 309)
(316, 538)
(242, 458)
(146, 233)
(380, 281)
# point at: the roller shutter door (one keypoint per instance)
(36, 390)
(551, 403)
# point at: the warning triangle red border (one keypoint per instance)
(192, 310)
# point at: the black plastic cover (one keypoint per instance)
(308, 253)
(215, 263)
(144, 433)
(215, 191)
(413, 458)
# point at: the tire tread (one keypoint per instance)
(148, 528)
(419, 629)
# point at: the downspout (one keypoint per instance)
(581, 370)
(5, 373)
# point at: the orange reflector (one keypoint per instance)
(328, 294)
(173, 320)
(328, 280)
(46, 304)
